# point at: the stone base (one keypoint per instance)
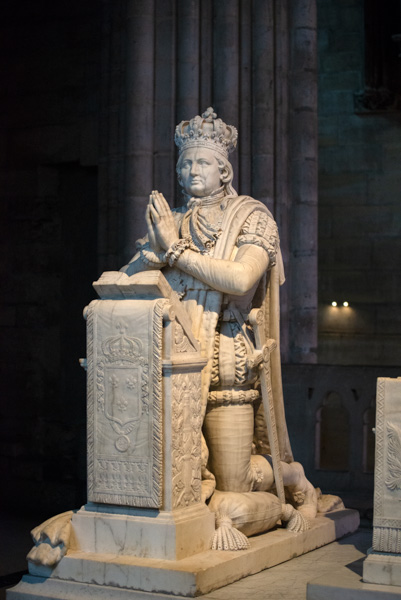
(128, 532)
(344, 584)
(104, 576)
(382, 568)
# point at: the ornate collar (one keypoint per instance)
(207, 201)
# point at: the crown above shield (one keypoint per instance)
(206, 131)
(121, 347)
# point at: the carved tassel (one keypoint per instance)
(296, 522)
(226, 537)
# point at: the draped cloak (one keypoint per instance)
(204, 306)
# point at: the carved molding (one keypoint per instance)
(387, 539)
(379, 447)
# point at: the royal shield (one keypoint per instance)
(123, 394)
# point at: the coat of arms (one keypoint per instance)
(124, 376)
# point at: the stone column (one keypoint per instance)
(245, 93)
(111, 134)
(303, 182)
(139, 125)
(263, 104)
(188, 59)
(206, 54)
(226, 73)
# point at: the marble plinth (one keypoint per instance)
(383, 568)
(95, 575)
(164, 535)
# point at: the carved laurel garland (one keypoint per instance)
(393, 480)
(157, 398)
(186, 439)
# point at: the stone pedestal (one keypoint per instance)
(145, 532)
(163, 535)
(383, 564)
(113, 576)
(144, 424)
(382, 567)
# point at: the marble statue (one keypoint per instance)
(187, 445)
(220, 252)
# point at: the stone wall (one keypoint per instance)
(359, 201)
(350, 394)
(48, 245)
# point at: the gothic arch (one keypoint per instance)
(332, 434)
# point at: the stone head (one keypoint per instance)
(204, 143)
(201, 171)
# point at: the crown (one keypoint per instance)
(206, 131)
(121, 347)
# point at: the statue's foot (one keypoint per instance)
(303, 495)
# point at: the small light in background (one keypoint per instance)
(334, 303)
(345, 303)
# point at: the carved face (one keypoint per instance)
(199, 172)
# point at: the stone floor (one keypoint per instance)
(287, 581)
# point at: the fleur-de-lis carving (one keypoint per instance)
(131, 382)
(122, 404)
(113, 380)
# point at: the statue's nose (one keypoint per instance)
(194, 168)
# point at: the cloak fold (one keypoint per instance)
(237, 212)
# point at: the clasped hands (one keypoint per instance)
(162, 229)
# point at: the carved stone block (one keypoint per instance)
(383, 564)
(125, 402)
(144, 425)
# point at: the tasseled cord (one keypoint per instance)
(296, 522)
(226, 537)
